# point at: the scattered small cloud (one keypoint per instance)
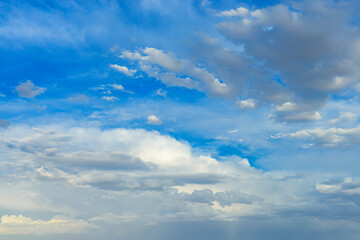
(124, 70)
(161, 92)
(120, 88)
(246, 104)
(152, 119)
(234, 12)
(28, 90)
(233, 131)
(109, 98)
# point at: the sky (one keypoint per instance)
(173, 120)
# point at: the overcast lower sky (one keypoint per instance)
(173, 120)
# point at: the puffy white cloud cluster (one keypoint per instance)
(86, 173)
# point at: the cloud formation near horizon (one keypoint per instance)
(154, 119)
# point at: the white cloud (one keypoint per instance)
(142, 176)
(120, 88)
(20, 225)
(246, 104)
(328, 138)
(152, 119)
(28, 90)
(344, 116)
(166, 61)
(156, 59)
(161, 92)
(296, 112)
(109, 98)
(124, 70)
(233, 131)
(234, 12)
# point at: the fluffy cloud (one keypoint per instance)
(123, 69)
(28, 90)
(152, 119)
(234, 12)
(314, 56)
(246, 104)
(20, 225)
(133, 160)
(295, 112)
(139, 176)
(328, 138)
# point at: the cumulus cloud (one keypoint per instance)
(246, 104)
(124, 70)
(241, 11)
(134, 172)
(295, 112)
(312, 55)
(152, 119)
(21, 225)
(29, 90)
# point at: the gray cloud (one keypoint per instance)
(88, 172)
(29, 90)
(313, 48)
(4, 123)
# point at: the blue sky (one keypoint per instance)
(154, 119)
